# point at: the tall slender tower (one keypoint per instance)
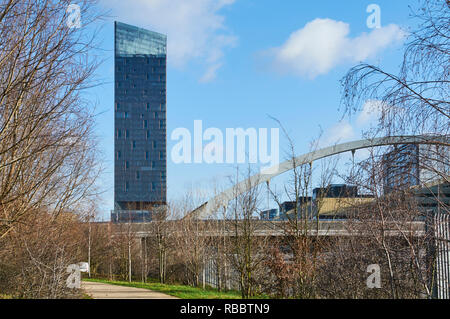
(140, 123)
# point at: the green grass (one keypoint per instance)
(180, 291)
(85, 296)
(2, 296)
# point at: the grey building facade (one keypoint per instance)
(412, 165)
(140, 122)
(401, 168)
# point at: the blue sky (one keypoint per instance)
(231, 63)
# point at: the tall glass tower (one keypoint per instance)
(140, 123)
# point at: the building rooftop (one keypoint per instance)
(131, 41)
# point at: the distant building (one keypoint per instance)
(434, 163)
(335, 191)
(400, 168)
(433, 197)
(412, 165)
(269, 214)
(140, 122)
(286, 206)
(336, 200)
(287, 209)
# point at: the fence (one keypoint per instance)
(439, 228)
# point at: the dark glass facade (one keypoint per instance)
(269, 214)
(335, 191)
(140, 120)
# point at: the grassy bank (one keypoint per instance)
(180, 291)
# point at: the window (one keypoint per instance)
(138, 176)
(148, 106)
(153, 144)
(119, 154)
(127, 186)
(161, 123)
(161, 156)
(148, 134)
(120, 115)
(127, 134)
(147, 155)
(119, 134)
(134, 144)
(127, 165)
(145, 123)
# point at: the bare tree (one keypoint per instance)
(220, 242)
(416, 100)
(47, 149)
(35, 257)
(48, 156)
(161, 238)
(388, 230)
(301, 254)
(191, 240)
(247, 249)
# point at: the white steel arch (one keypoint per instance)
(222, 199)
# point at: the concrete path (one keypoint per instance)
(99, 290)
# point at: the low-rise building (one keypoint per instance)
(269, 214)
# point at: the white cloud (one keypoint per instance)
(370, 112)
(338, 133)
(210, 73)
(195, 29)
(344, 131)
(323, 44)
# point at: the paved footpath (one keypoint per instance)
(99, 290)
